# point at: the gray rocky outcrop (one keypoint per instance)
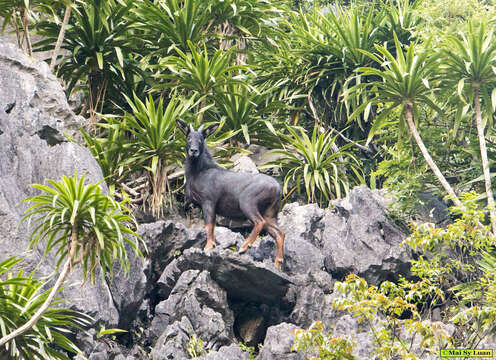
(244, 296)
(34, 118)
(278, 343)
(360, 237)
(227, 353)
(203, 303)
(242, 277)
(243, 163)
(356, 235)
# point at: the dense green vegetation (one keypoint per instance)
(374, 75)
(397, 94)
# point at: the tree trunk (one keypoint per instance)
(428, 158)
(67, 16)
(60, 281)
(485, 162)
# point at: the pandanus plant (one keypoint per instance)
(403, 82)
(325, 171)
(80, 225)
(153, 141)
(21, 296)
(469, 67)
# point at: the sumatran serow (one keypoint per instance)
(235, 195)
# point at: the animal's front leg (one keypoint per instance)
(209, 217)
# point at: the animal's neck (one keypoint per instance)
(202, 163)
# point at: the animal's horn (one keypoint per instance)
(201, 128)
(191, 128)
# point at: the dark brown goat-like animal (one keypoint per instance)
(239, 196)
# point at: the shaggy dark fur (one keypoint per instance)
(235, 195)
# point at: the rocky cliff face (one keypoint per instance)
(178, 294)
(223, 298)
(181, 293)
(34, 116)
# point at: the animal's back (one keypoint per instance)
(238, 190)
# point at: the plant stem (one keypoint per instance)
(63, 275)
(485, 162)
(17, 30)
(26, 32)
(428, 158)
(60, 38)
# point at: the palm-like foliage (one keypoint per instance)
(198, 71)
(20, 298)
(401, 19)
(243, 109)
(404, 83)
(172, 22)
(314, 55)
(112, 151)
(239, 22)
(18, 14)
(314, 162)
(80, 225)
(154, 146)
(98, 43)
(469, 67)
(244, 16)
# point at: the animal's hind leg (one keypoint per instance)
(251, 212)
(278, 235)
(209, 228)
(274, 231)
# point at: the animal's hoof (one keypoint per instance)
(242, 250)
(208, 248)
(278, 265)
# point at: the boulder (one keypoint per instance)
(313, 300)
(359, 237)
(167, 240)
(230, 352)
(129, 289)
(432, 208)
(303, 245)
(244, 164)
(240, 276)
(172, 344)
(34, 118)
(356, 235)
(203, 303)
(278, 342)
(349, 327)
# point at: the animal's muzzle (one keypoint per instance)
(194, 152)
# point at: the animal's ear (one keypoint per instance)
(209, 131)
(185, 128)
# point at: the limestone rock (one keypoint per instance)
(240, 276)
(355, 236)
(34, 116)
(230, 352)
(278, 342)
(244, 164)
(360, 237)
(203, 303)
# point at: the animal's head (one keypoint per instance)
(195, 139)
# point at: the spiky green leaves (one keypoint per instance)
(404, 79)
(316, 163)
(20, 297)
(101, 224)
